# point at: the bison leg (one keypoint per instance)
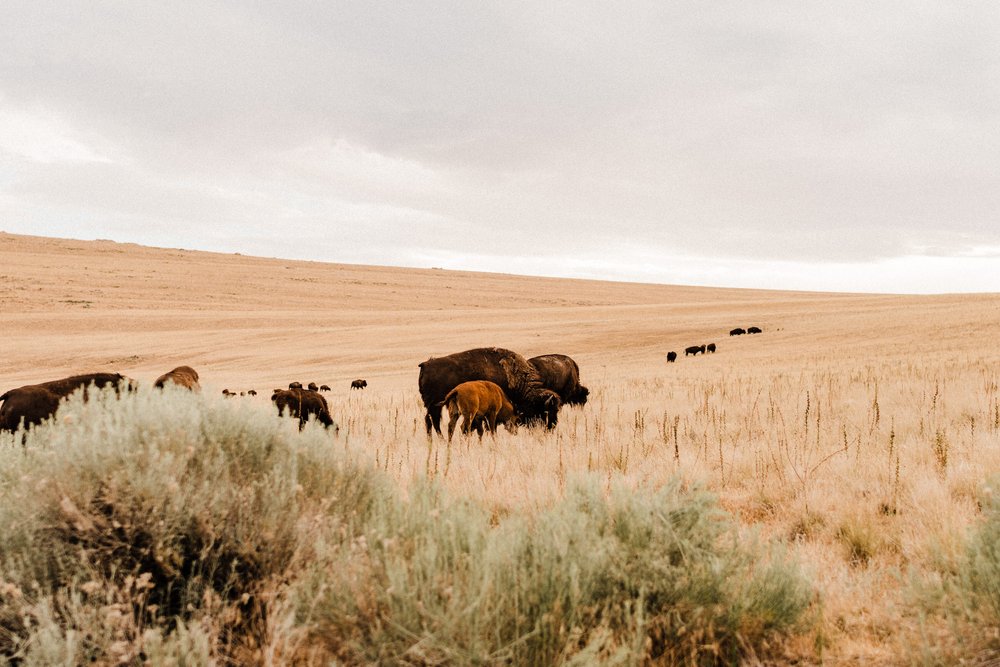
(452, 420)
(433, 419)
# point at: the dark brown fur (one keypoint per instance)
(561, 374)
(477, 402)
(359, 384)
(518, 379)
(301, 404)
(182, 376)
(37, 402)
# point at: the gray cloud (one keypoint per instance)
(613, 137)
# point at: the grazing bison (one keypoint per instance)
(479, 401)
(301, 404)
(671, 356)
(252, 392)
(324, 387)
(313, 387)
(710, 348)
(737, 332)
(518, 379)
(34, 403)
(227, 393)
(295, 385)
(694, 350)
(561, 374)
(182, 376)
(359, 384)
(754, 330)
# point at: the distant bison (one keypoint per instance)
(301, 404)
(477, 402)
(313, 387)
(710, 348)
(34, 403)
(182, 376)
(754, 330)
(359, 384)
(227, 393)
(737, 332)
(518, 379)
(694, 350)
(252, 392)
(324, 387)
(295, 385)
(671, 356)
(561, 374)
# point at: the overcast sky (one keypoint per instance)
(792, 145)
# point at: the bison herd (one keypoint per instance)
(485, 386)
(694, 350)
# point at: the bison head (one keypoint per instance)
(579, 396)
(540, 407)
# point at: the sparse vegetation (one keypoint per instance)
(175, 529)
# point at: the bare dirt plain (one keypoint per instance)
(860, 430)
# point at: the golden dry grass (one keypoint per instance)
(859, 429)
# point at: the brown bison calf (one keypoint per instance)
(35, 403)
(478, 401)
(182, 376)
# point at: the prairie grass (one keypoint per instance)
(169, 528)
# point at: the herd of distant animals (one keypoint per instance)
(693, 350)
(486, 387)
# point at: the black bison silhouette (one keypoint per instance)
(359, 384)
(518, 379)
(710, 348)
(561, 374)
(313, 387)
(295, 385)
(479, 401)
(182, 376)
(303, 403)
(754, 330)
(324, 387)
(694, 350)
(671, 356)
(737, 332)
(34, 403)
(252, 392)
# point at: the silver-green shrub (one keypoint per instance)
(170, 528)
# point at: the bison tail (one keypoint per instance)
(6, 395)
(447, 399)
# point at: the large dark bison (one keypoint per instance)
(710, 348)
(671, 356)
(477, 402)
(739, 331)
(754, 330)
(34, 403)
(182, 376)
(301, 404)
(694, 350)
(518, 379)
(561, 374)
(359, 384)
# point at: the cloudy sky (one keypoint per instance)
(794, 145)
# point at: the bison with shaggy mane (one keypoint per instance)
(518, 379)
(182, 376)
(561, 374)
(301, 404)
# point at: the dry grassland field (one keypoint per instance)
(861, 432)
